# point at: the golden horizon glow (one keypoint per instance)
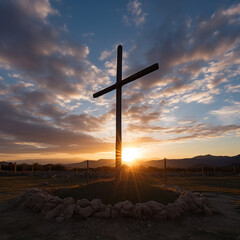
(130, 154)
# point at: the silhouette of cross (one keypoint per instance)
(118, 86)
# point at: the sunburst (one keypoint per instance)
(130, 154)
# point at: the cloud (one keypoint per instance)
(203, 131)
(88, 34)
(190, 132)
(134, 98)
(146, 128)
(32, 134)
(135, 13)
(233, 88)
(229, 113)
(203, 49)
(109, 56)
(39, 9)
(44, 57)
(106, 54)
(84, 122)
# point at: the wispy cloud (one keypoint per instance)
(229, 113)
(233, 88)
(21, 127)
(208, 50)
(43, 58)
(135, 15)
(88, 34)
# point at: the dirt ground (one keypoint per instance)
(22, 224)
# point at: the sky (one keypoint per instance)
(54, 54)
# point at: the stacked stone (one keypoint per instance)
(53, 207)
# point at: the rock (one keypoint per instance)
(69, 210)
(55, 199)
(205, 201)
(161, 216)
(187, 199)
(35, 201)
(83, 203)
(199, 201)
(155, 206)
(172, 211)
(172, 214)
(149, 225)
(59, 219)
(114, 213)
(196, 194)
(54, 213)
(102, 208)
(137, 212)
(68, 201)
(197, 210)
(125, 213)
(21, 201)
(180, 203)
(76, 208)
(96, 204)
(188, 194)
(146, 212)
(85, 212)
(192, 206)
(179, 208)
(104, 214)
(109, 206)
(118, 205)
(47, 208)
(127, 205)
(207, 211)
(33, 190)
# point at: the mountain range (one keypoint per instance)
(198, 161)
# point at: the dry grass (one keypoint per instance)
(110, 192)
(224, 185)
(11, 186)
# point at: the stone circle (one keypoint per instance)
(54, 208)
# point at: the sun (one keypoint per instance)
(130, 154)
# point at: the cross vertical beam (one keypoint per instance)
(119, 112)
(118, 86)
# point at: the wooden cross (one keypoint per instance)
(118, 86)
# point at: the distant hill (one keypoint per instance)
(46, 161)
(93, 163)
(206, 160)
(198, 161)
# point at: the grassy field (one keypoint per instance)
(110, 192)
(17, 223)
(11, 186)
(224, 185)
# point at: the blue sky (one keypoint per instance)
(55, 54)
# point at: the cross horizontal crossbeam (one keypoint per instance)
(128, 80)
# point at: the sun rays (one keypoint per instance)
(130, 154)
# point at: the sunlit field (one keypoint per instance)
(136, 186)
(12, 186)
